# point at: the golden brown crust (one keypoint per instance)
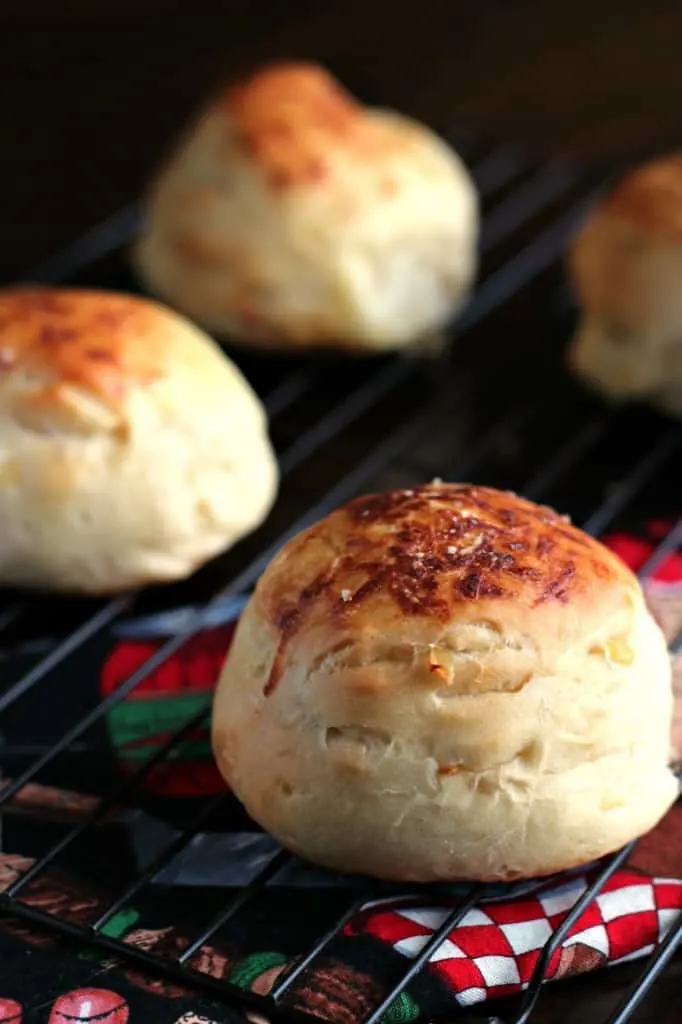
(650, 197)
(289, 116)
(93, 339)
(131, 448)
(424, 551)
(293, 217)
(450, 683)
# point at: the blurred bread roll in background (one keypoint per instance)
(293, 217)
(445, 683)
(131, 449)
(626, 268)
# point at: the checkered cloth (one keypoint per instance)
(494, 950)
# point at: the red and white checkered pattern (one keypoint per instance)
(494, 950)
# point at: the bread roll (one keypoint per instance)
(131, 449)
(447, 683)
(626, 268)
(292, 217)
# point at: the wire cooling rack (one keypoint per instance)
(496, 407)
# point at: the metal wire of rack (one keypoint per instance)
(530, 211)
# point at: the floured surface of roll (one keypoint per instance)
(626, 268)
(447, 683)
(293, 217)
(131, 448)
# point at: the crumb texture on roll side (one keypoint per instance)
(625, 265)
(131, 449)
(291, 216)
(450, 682)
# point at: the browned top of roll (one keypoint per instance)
(289, 117)
(650, 197)
(440, 553)
(77, 356)
(102, 341)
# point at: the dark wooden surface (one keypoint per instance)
(92, 95)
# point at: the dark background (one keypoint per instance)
(93, 90)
